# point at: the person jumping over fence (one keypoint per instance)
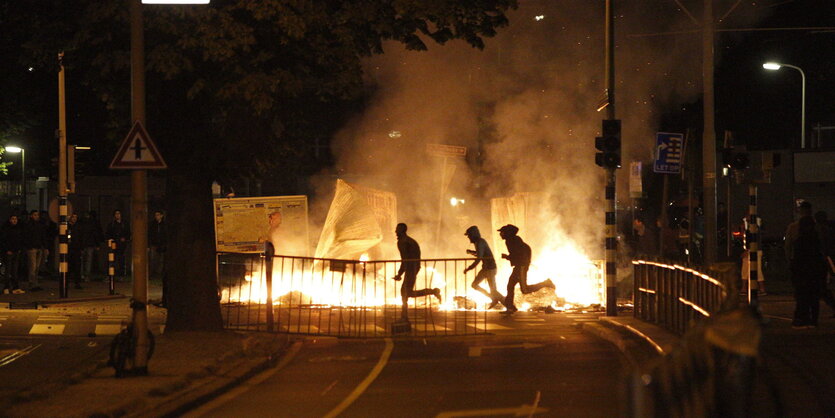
(520, 258)
(409, 266)
(488, 271)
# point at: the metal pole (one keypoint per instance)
(62, 181)
(139, 196)
(611, 208)
(709, 139)
(23, 175)
(802, 105)
(111, 266)
(753, 241)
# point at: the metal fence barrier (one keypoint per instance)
(673, 296)
(711, 372)
(345, 298)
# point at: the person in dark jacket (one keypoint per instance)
(157, 244)
(119, 231)
(409, 267)
(805, 245)
(90, 236)
(75, 250)
(34, 242)
(11, 240)
(488, 271)
(519, 255)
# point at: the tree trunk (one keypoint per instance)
(192, 297)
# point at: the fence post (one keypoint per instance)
(111, 267)
(269, 252)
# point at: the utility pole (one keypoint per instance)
(139, 197)
(708, 138)
(611, 244)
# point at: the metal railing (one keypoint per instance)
(673, 296)
(346, 298)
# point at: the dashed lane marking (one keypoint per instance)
(47, 329)
(495, 327)
(529, 319)
(108, 329)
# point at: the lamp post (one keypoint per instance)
(15, 150)
(774, 66)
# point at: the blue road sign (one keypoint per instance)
(668, 152)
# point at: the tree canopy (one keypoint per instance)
(235, 88)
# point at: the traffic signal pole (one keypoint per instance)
(611, 214)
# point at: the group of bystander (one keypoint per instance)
(25, 247)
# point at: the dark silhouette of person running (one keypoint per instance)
(409, 266)
(520, 258)
(488, 271)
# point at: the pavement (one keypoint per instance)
(188, 369)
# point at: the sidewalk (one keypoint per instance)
(186, 368)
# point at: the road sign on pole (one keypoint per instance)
(668, 151)
(443, 150)
(138, 151)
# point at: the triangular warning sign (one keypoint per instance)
(138, 152)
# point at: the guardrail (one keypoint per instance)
(673, 296)
(346, 298)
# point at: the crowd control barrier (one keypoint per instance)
(346, 298)
(673, 296)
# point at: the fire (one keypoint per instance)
(366, 283)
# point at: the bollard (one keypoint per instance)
(269, 253)
(111, 268)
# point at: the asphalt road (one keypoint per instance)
(534, 364)
(35, 362)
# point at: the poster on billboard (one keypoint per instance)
(244, 224)
(360, 220)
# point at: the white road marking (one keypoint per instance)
(47, 329)
(495, 326)
(7, 359)
(476, 350)
(529, 319)
(108, 329)
(365, 383)
(429, 327)
(59, 318)
(328, 389)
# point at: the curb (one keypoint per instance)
(638, 352)
(77, 300)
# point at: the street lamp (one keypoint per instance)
(14, 150)
(774, 66)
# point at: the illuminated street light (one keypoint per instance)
(456, 201)
(774, 66)
(14, 150)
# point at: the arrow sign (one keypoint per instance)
(476, 351)
(138, 152)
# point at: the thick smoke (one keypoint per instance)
(526, 109)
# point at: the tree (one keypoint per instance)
(239, 88)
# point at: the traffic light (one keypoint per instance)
(609, 145)
(735, 160)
